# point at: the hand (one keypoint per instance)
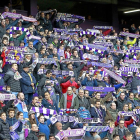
(32, 84)
(78, 82)
(11, 127)
(69, 128)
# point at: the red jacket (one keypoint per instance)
(68, 84)
(126, 123)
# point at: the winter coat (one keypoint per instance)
(18, 39)
(11, 122)
(74, 104)
(26, 82)
(47, 105)
(91, 83)
(31, 50)
(4, 130)
(68, 84)
(77, 71)
(83, 102)
(117, 131)
(102, 100)
(10, 81)
(43, 127)
(113, 113)
(41, 85)
(94, 113)
(133, 102)
(120, 104)
(32, 135)
(135, 82)
(5, 108)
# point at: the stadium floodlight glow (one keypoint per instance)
(132, 11)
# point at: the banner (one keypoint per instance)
(29, 19)
(90, 56)
(97, 129)
(129, 34)
(70, 133)
(99, 89)
(46, 61)
(115, 76)
(4, 97)
(103, 27)
(11, 15)
(100, 64)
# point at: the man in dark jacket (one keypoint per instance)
(28, 82)
(121, 101)
(42, 82)
(34, 134)
(33, 103)
(83, 102)
(11, 80)
(97, 111)
(137, 134)
(11, 120)
(4, 127)
(132, 101)
(135, 82)
(76, 71)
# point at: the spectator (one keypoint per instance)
(12, 82)
(69, 100)
(4, 127)
(33, 135)
(120, 130)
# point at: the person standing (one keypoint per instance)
(28, 82)
(12, 77)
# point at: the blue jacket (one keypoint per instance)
(26, 82)
(43, 127)
(94, 113)
(133, 102)
(47, 105)
(91, 83)
(19, 107)
(12, 121)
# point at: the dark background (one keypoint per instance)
(99, 10)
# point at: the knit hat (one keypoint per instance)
(31, 112)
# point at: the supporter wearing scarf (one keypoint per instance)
(20, 104)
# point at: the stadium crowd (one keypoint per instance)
(52, 70)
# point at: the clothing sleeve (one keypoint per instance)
(48, 122)
(61, 25)
(107, 96)
(1, 135)
(84, 81)
(65, 80)
(5, 108)
(6, 77)
(67, 84)
(129, 122)
(37, 120)
(80, 68)
(22, 36)
(62, 102)
(132, 42)
(40, 85)
(118, 86)
(12, 24)
(76, 103)
(106, 32)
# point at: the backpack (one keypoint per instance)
(83, 113)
